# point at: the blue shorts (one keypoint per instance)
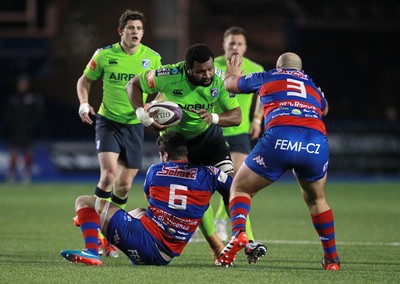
(125, 139)
(288, 147)
(130, 236)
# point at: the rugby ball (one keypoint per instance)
(169, 113)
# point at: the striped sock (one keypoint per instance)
(323, 224)
(90, 225)
(239, 208)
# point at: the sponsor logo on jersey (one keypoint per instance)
(296, 111)
(174, 71)
(121, 76)
(113, 61)
(214, 92)
(92, 64)
(295, 73)
(177, 172)
(167, 71)
(150, 79)
(197, 106)
(163, 72)
(146, 63)
(178, 92)
(219, 73)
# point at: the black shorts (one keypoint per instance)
(239, 143)
(125, 139)
(209, 148)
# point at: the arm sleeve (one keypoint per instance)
(252, 82)
(93, 69)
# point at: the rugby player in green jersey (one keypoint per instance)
(119, 133)
(197, 86)
(238, 137)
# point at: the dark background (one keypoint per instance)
(350, 48)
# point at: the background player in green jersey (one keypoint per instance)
(119, 133)
(238, 137)
(196, 85)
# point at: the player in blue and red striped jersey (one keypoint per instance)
(294, 138)
(178, 193)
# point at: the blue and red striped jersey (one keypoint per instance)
(179, 193)
(288, 97)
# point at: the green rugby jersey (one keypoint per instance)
(244, 100)
(116, 68)
(171, 80)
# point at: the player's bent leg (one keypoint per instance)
(245, 185)
(322, 219)
(106, 210)
(123, 184)
(89, 222)
(108, 170)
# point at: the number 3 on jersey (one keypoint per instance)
(177, 201)
(297, 85)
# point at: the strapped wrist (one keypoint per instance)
(84, 108)
(214, 118)
(144, 117)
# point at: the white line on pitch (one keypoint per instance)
(293, 242)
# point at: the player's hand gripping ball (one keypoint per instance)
(169, 113)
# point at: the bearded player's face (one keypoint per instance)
(202, 74)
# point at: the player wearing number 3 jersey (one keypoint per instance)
(294, 138)
(178, 193)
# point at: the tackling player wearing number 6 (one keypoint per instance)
(293, 109)
(178, 194)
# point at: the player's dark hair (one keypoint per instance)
(174, 144)
(199, 52)
(234, 31)
(131, 15)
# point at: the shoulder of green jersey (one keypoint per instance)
(219, 73)
(106, 47)
(148, 49)
(219, 59)
(103, 49)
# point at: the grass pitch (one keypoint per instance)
(36, 224)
